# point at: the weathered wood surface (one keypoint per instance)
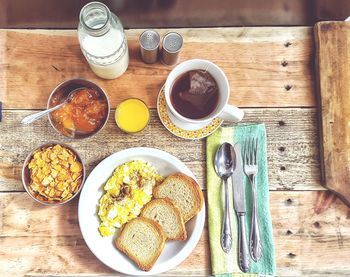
(64, 14)
(333, 69)
(37, 240)
(265, 66)
(292, 146)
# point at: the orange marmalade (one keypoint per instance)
(85, 113)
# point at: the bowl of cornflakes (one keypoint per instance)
(53, 174)
(85, 114)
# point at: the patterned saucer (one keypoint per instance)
(179, 132)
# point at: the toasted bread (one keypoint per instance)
(168, 215)
(183, 191)
(142, 240)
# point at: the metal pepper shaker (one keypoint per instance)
(172, 44)
(149, 44)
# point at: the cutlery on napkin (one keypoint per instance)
(227, 263)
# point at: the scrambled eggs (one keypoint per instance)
(126, 192)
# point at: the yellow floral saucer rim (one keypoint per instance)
(186, 134)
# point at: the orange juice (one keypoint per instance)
(132, 115)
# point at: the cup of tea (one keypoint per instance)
(197, 91)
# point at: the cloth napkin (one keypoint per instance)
(227, 264)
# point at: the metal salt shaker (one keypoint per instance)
(149, 44)
(172, 44)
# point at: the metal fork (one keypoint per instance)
(250, 164)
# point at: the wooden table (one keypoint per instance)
(271, 73)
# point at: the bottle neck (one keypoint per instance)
(95, 18)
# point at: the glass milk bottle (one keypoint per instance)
(103, 41)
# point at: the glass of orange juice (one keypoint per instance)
(132, 115)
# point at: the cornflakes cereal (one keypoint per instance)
(55, 173)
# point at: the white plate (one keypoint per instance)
(103, 247)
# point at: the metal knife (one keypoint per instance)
(239, 204)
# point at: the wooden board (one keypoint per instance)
(194, 13)
(291, 137)
(271, 74)
(33, 62)
(41, 241)
(333, 64)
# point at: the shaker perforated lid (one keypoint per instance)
(149, 44)
(172, 42)
(149, 40)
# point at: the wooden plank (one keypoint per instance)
(326, 10)
(265, 66)
(194, 13)
(37, 240)
(291, 137)
(333, 63)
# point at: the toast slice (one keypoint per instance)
(142, 240)
(183, 191)
(168, 215)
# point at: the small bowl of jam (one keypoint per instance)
(85, 114)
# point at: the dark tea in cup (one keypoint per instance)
(194, 94)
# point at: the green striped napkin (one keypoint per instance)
(227, 264)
